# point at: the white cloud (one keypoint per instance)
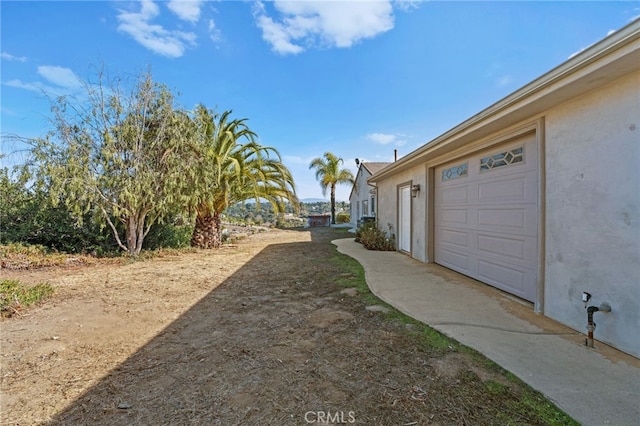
(34, 87)
(407, 5)
(496, 73)
(37, 87)
(10, 57)
(504, 80)
(187, 10)
(610, 32)
(60, 76)
(385, 139)
(214, 33)
(60, 81)
(576, 53)
(580, 51)
(276, 35)
(335, 23)
(294, 159)
(7, 111)
(170, 43)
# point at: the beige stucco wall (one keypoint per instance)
(388, 208)
(591, 206)
(592, 227)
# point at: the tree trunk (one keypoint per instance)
(207, 232)
(333, 204)
(135, 234)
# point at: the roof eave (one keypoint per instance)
(528, 100)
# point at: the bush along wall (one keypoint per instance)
(373, 238)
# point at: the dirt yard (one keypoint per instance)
(256, 334)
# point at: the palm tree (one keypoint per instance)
(226, 172)
(329, 174)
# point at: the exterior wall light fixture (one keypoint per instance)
(414, 190)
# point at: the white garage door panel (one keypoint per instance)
(508, 218)
(501, 246)
(454, 260)
(455, 195)
(454, 217)
(512, 190)
(512, 218)
(486, 220)
(512, 280)
(457, 238)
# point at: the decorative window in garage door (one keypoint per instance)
(500, 159)
(454, 172)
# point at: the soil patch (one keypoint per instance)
(255, 334)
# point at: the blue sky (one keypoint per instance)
(357, 78)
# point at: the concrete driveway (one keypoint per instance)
(595, 386)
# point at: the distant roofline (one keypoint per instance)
(366, 165)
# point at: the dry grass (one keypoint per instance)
(255, 334)
(17, 256)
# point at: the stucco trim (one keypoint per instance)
(431, 224)
(538, 306)
(505, 136)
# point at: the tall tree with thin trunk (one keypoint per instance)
(229, 166)
(329, 174)
(113, 151)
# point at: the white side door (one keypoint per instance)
(404, 219)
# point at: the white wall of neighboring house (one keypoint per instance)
(583, 121)
(359, 193)
(362, 200)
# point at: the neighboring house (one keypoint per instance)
(363, 196)
(539, 194)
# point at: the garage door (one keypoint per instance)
(486, 216)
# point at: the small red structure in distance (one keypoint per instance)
(319, 220)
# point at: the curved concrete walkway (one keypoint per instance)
(599, 386)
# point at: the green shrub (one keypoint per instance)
(28, 216)
(365, 227)
(343, 217)
(176, 234)
(373, 238)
